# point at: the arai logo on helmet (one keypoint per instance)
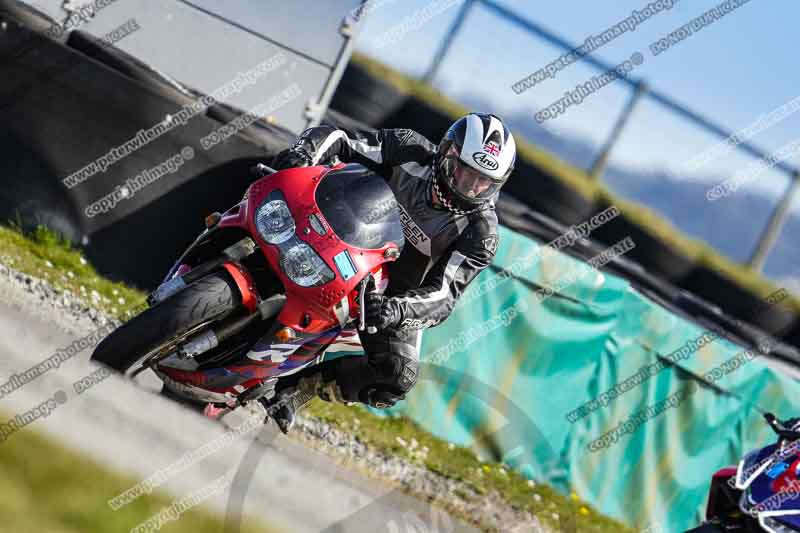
(485, 160)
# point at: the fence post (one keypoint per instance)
(447, 41)
(599, 165)
(773, 229)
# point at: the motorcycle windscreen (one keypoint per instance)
(360, 207)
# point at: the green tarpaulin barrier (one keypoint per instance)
(510, 367)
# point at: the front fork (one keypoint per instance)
(177, 279)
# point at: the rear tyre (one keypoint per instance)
(213, 296)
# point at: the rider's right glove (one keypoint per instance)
(291, 158)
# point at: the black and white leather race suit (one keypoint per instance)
(444, 252)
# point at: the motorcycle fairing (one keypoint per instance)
(762, 474)
(297, 354)
(345, 212)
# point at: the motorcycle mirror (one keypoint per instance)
(781, 430)
(770, 418)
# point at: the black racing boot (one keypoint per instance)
(284, 407)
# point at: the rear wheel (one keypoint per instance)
(201, 302)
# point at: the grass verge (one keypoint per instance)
(30, 254)
(44, 255)
(46, 487)
(402, 437)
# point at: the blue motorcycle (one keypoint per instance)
(763, 492)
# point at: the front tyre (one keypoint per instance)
(208, 298)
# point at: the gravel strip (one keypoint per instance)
(487, 512)
(63, 309)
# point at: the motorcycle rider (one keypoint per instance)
(446, 197)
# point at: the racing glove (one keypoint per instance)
(291, 158)
(380, 312)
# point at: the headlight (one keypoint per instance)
(303, 266)
(274, 222)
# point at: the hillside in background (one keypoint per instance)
(682, 202)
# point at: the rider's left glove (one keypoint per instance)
(291, 158)
(381, 312)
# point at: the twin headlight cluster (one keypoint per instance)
(298, 260)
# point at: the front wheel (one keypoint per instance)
(208, 298)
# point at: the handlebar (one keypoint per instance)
(261, 170)
(362, 302)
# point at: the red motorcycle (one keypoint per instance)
(266, 288)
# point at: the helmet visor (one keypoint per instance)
(472, 184)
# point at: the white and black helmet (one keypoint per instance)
(475, 158)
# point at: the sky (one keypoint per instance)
(732, 71)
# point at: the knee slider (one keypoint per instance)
(409, 374)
